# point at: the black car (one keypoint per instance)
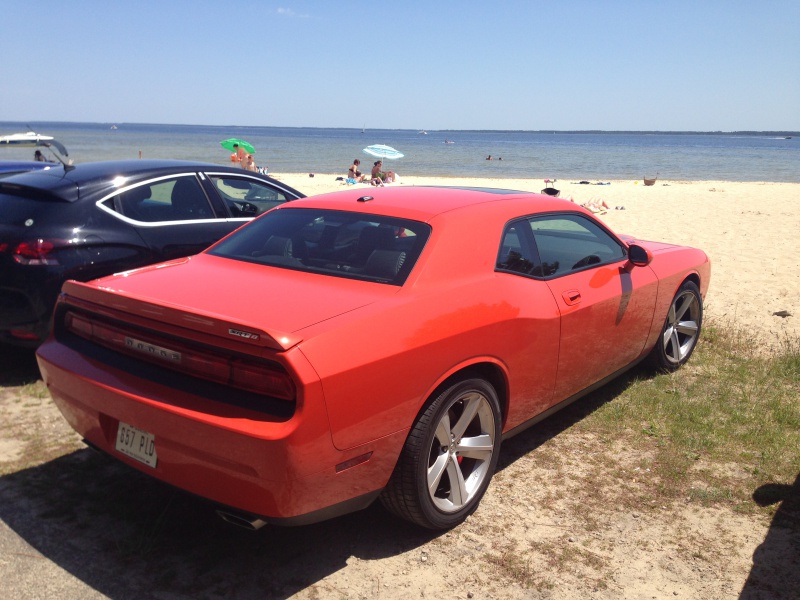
(95, 219)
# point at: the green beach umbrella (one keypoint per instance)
(228, 145)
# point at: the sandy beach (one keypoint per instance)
(749, 230)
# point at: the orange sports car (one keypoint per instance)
(349, 347)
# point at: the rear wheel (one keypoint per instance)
(681, 329)
(449, 457)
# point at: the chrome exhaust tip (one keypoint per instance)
(251, 522)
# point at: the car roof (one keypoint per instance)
(19, 166)
(423, 203)
(85, 172)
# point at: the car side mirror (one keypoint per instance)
(639, 255)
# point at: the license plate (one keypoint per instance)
(137, 444)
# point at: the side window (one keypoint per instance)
(247, 197)
(516, 253)
(567, 243)
(178, 199)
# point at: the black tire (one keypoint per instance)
(681, 329)
(455, 443)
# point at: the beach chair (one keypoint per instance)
(551, 191)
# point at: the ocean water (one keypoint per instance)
(593, 156)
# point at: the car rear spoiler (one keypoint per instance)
(95, 299)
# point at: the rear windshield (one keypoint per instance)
(22, 211)
(329, 242)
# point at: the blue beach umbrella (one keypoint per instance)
(381, 151)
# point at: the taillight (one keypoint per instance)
(23, 335)
(245, 374)
(256, 378)
(36, 252)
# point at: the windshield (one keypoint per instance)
(329, 242)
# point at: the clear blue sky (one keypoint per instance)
(702, 65)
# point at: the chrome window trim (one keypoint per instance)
(101, 203)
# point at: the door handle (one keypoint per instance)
(571, 297)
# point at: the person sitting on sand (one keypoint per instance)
(380, 175)
(353, 174)
(595, 205)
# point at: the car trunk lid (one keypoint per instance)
(233, 300)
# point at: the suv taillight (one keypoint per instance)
(36, 252)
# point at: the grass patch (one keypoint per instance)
(719, 427)
(36, 390)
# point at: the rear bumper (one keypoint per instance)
(283, 469)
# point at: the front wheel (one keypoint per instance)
(681, 329)
(449, 457)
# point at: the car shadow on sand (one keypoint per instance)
(530, 439)
(18, 366)
(776, 562)
(127, 535)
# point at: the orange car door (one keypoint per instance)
(606, 304)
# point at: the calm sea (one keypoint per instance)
(594, 156)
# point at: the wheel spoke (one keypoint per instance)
(443, 432)
(687, 328)
(435, 472)
(479, 447)
(686, 304)
(667, 336)
(671, 315)
(676, 346)
(458, 488)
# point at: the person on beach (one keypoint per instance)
(381, 176)
(239, 156)
(353, 174)
(596, 205)
(249, 163)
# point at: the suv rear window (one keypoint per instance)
(329, 242)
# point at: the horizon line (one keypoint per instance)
(550, 130)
